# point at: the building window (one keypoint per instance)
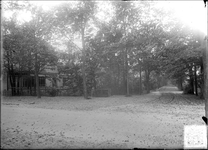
(33, 81)
(42, 81)
(28, 81)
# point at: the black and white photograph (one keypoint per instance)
(96, 74)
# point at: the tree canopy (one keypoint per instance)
(128, 47)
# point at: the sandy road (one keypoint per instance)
(155, 120)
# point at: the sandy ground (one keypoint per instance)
(155, 120)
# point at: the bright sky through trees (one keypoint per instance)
(192, 13)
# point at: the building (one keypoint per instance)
(24, 82)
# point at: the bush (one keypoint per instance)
(52, 91)
(187, 90)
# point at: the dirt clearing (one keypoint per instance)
(155, 120)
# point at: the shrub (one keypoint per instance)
(187, 89)
(52, 91)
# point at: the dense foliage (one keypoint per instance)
(139, 47)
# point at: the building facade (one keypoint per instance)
(24, 82)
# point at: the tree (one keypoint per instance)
(77, 20)
(20, 53)
(148, 40)
(182, 58)
(25, 47)
(124, 15)
(40, 26)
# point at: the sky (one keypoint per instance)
(192, 13)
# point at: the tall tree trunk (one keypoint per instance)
(191, 84)
(148, 86)
(124, 74)
(158, 81)
(147, 80)
(18, 85)
(124, 82)
(202, 83)
(7, 76)
(30, 85)
(118, 80)
(195, 79)
(30, 77)
(18, 81)
(140, 80)
(83, 63)
(36, 77)
(21, 82)
(11, 75)
(127, 74)
(12, 80)
(12, 83)
(126, 55)
(191, 80)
